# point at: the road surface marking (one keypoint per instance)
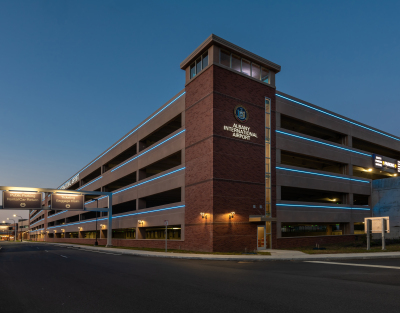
(46, 250)
(351, 264)
(63, 256)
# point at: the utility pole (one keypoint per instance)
(97, 206)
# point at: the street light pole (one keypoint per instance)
(20, 218)
(15, 233)
(97, 206)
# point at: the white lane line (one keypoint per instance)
(351, 264)
(64, 256)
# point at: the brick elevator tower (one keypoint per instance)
(229, 148)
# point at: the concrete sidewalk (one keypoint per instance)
(276, 255)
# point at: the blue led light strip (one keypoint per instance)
(128, 135)
(36, 222)
(103, 219)
(145, 182)
(323, 143)
(56, 214)
(321, 207)
(338, 117)
(90, 183)
(36, 230)
(318, 174)
(147, 150)
(35, 214)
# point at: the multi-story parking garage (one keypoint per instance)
(232, 164)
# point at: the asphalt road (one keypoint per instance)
(48, 278)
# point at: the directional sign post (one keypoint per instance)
(22, 200)
(67, 202)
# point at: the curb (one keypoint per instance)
(222, 258)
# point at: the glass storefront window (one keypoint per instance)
(124, 233)
(309, 229)
(174, 232)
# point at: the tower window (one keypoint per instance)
(200, 64)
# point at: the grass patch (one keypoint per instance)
(352, 248)
(163, 250)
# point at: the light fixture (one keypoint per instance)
(63, 230)
(203, 215)
(102, 225)
(141, 222)
(370, 170)
(394, 174)
(80, 228)
(231, 215)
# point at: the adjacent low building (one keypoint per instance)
(230, 164)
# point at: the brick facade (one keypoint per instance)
(287, 243)
(223, 173)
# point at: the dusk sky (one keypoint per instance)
(75, 76)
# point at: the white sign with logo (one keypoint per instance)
(69, 183)
(240, 131)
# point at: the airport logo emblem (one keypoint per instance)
(67, 206)
(22, 205)
(241, 114)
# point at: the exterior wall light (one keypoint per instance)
(203, 215)
(140, 222)
(102, 226)
(80, 228)
(370, 170)
(231, 215)
(63, 230)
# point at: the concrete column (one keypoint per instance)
(109, 222)
(278, 193)
(349, 141)
(348, 170)
(278, 119)
(350, 198)
(278, 229)
(278, 156)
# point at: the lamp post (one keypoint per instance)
(15, 235)
(97, 206)
(20, 218)
(4, 223)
